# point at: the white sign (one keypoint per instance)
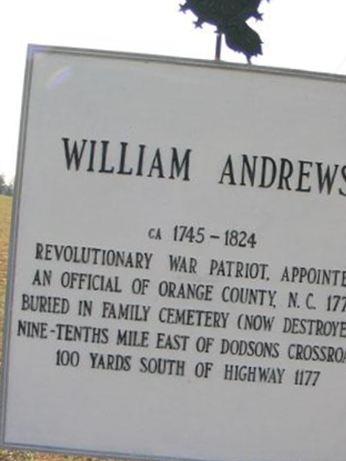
(177, 277)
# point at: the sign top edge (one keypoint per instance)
(221, 65)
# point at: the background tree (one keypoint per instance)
(2, 184)
(9, 189)
(6, 188)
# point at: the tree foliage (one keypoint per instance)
(6, 188)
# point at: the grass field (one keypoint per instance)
(5, 223)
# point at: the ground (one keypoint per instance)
(5, 224)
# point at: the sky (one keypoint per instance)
(297, 34)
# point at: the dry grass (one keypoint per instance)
(5, 224)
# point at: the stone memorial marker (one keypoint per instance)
(177, 276)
